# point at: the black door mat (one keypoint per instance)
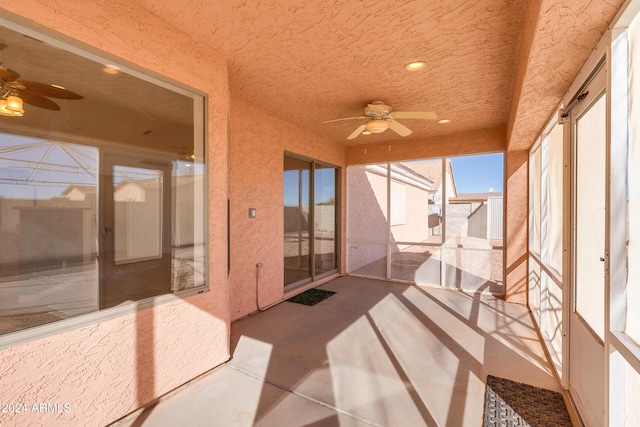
(510, 403)
(311, 296)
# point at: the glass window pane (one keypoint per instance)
(325, 219)
(188, 225)
(297, 227)
(137, 228)
(48, 236)
(78, 231)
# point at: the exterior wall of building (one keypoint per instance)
(107, 369)
(413, 226)
(258, 144)
(475, 142)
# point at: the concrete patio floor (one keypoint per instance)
(375, 353)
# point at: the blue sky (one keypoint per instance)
(477, 174)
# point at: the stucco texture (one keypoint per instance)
(474, 142)
(258, 144)
(516, 237)
(106, 370)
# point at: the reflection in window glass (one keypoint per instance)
(310, 195)
(137, 199)
(325, 219)
(102, 196)
(297, 227)
(48, 236)
(49, 216)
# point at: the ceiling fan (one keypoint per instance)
(13, 93)
(379, 118)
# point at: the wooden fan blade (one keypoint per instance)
(345, 118)
(8, 75)
(398, 128)
(357, 132)
(49, 91)
(39, 101)
(414, 115)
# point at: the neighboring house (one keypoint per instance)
(478, 215)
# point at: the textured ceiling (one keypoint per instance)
(308, 62)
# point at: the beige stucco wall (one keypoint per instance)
(258, 144)
(475, 142)
(516, 226)
(107, 369)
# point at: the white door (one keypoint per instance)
(587, 325)
(135, 259)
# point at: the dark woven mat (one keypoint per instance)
(311, 296)
(510, 403)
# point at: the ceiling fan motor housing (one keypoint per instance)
(377, 109)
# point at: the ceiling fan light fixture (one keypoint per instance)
(4, 111)
(14, 104)
(415, 66)
(377, 126)
(366, 132)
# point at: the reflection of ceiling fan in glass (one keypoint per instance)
(14, 93)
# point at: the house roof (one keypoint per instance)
(86, 189)
(433, 170)
(473, 197)
(490, 63)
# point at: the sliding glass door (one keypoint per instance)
(310, 221)
(324, 224)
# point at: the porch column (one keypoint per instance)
(516, 220)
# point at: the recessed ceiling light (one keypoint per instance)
(111, 69)
(415, 66)
(444, 121)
